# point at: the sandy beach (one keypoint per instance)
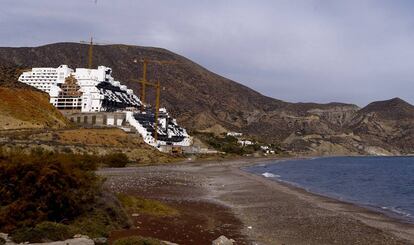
(217, 198)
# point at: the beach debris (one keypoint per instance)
(249, 227)
(222, 240)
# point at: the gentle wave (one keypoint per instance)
(270, 175)
(397, 211)
(379, 183)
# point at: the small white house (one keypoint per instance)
(245, 142)
(264, 147)
(234, 134)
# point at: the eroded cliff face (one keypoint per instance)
(387, 125)
(337, 115)
(381, 128)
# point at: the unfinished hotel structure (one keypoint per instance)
(96, 91)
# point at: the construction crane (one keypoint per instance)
(144, 83)
(90, 51)
(144, 80)
(91, 43)
(157, 87)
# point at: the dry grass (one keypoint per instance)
(146, 206)
(137, 240)
(91, 141)
(98, 137)
(25, 108)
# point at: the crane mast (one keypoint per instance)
(91, 44)
(90, 54)
(157, 85)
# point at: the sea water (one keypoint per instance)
(383, 183)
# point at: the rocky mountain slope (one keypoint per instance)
(386, 124)
(202, 100)
(22, 106)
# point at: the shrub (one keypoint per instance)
(116, 160)
(45, 231)
(106, 216)
(227, 144)
(137, 240)
(45, 186)
(145, 206)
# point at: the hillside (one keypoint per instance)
(202, 100)
(386, 124)
(394, 109)
(22, 106)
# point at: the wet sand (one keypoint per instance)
(220, 199)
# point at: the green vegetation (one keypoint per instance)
(115, 160)
(145, 206)
(227, 144)
(52, 196)
(45, 186)
(45, 231)
(107, 215)
(136, 240)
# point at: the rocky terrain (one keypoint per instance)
(23, 106)
(202, 100)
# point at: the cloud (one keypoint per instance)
(315, 50)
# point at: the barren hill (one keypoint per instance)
(201, 99)
(394, 109)
(386, 124)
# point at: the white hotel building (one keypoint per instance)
(46, 78)
(86, 90)
(95, 90)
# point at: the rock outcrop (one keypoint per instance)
(222, 240)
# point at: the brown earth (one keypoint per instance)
(202, 100)
(199, 221)
(99, 141)
(28, 121)
(219, 199)
(22, 106)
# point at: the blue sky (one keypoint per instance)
(353, 51)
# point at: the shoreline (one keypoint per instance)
(371, 216)
(397, 216)
(257, 209)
